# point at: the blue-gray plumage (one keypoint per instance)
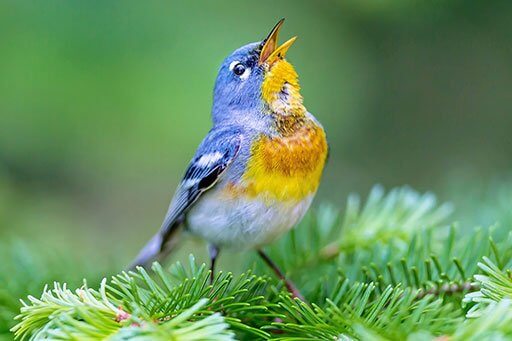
(232, 93)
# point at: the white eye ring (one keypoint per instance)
(244, 75)
(232, 65)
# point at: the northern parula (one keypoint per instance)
(256, 172)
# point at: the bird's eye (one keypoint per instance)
(239, 69)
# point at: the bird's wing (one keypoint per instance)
(213, 157)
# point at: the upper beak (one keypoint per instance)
(270, 52)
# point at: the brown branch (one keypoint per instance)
(448, 289)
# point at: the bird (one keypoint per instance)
(256, 172)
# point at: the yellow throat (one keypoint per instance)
(280, 90)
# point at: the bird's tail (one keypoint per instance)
(157, 249)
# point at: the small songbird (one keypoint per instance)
(256, 172)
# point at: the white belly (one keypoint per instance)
(243, 223)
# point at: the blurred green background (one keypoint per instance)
(102, 104)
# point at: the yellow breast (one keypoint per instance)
(287, 168)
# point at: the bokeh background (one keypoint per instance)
(102, 104)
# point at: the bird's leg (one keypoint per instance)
(292, 289)
(214, 252)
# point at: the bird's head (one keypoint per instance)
(258, 78)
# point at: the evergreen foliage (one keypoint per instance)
(395, 268)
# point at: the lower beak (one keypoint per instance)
(270, 52)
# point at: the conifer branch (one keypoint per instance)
(391, 269)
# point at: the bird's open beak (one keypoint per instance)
(270, 52)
